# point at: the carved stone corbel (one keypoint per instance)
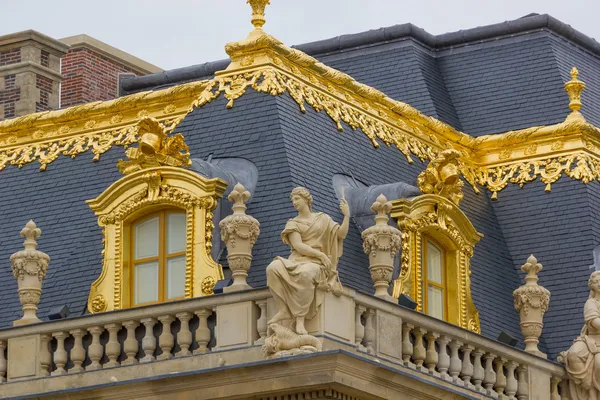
(381, 242)
(239, 232)
(531, 301)
(29, 267)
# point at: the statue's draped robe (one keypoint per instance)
(296, 280)
(582, 361)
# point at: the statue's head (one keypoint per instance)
(301, 194)
(594, 283)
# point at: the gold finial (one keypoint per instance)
(574, 88)
(258, 12)
(155, 148)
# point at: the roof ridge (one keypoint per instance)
(131, 84)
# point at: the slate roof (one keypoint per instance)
(484, 80)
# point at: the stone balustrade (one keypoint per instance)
(230, 329)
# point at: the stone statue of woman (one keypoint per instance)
(582, 360)
(297, 282)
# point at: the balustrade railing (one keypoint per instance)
(421, 344)
(458, 356)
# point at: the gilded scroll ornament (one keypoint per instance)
(155, 148)
(442, 177)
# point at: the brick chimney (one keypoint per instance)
(91, 70)
(29, 73)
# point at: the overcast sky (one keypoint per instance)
(178, 33)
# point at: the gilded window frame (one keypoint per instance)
(144, 192)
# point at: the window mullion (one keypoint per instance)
(161, 251)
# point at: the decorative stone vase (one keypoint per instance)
(29, 267)
(239, 232)
(531, 301)
(381, 242)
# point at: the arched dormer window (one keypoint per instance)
(157, 257)
(146, 218)
(437, 246)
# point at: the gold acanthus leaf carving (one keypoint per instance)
(441, 177)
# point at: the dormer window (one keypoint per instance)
(157, 223)
(158, 257)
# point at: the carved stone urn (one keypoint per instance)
(531, 301)
(29, 267)
(239, 232)
(381, 242)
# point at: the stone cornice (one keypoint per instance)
(106, 50)
(29, 66)
(18, 39)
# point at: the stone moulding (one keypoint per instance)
(441, 219)
(146, 191)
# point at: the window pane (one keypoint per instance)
(146, 282)
(175, 277)
(435, 302)
(146, 239)
(175, 233)
(434, 263)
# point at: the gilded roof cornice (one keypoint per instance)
(266, 65)
(94, 127)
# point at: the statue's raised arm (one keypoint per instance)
(315, 241)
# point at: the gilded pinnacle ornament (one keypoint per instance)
(574, 88)
(258, 12)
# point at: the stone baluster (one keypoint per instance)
(113, 347)
(261, 324)
(359, 329)
(166, 341)
(184, 336)
(407, 346)
(489, 378)
(381, 242)
(77, 352)
(466, 371)
(95, 350)
(523, 389)
(203, 331)
(444, 358)
(511, 379)
(419, 352)
(131, 345)
(45, 356)
(500, 377)
(3, 362)
(239, 231)
(149, 341)
(60, 354)
(531, 301)
(455, 363)
(554, 394)
(478, 371)
(29, 268)
(369, 331)
(431, 355)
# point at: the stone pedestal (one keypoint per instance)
(239, 232)
(531, 301)
(29, 267)
(381, 242)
